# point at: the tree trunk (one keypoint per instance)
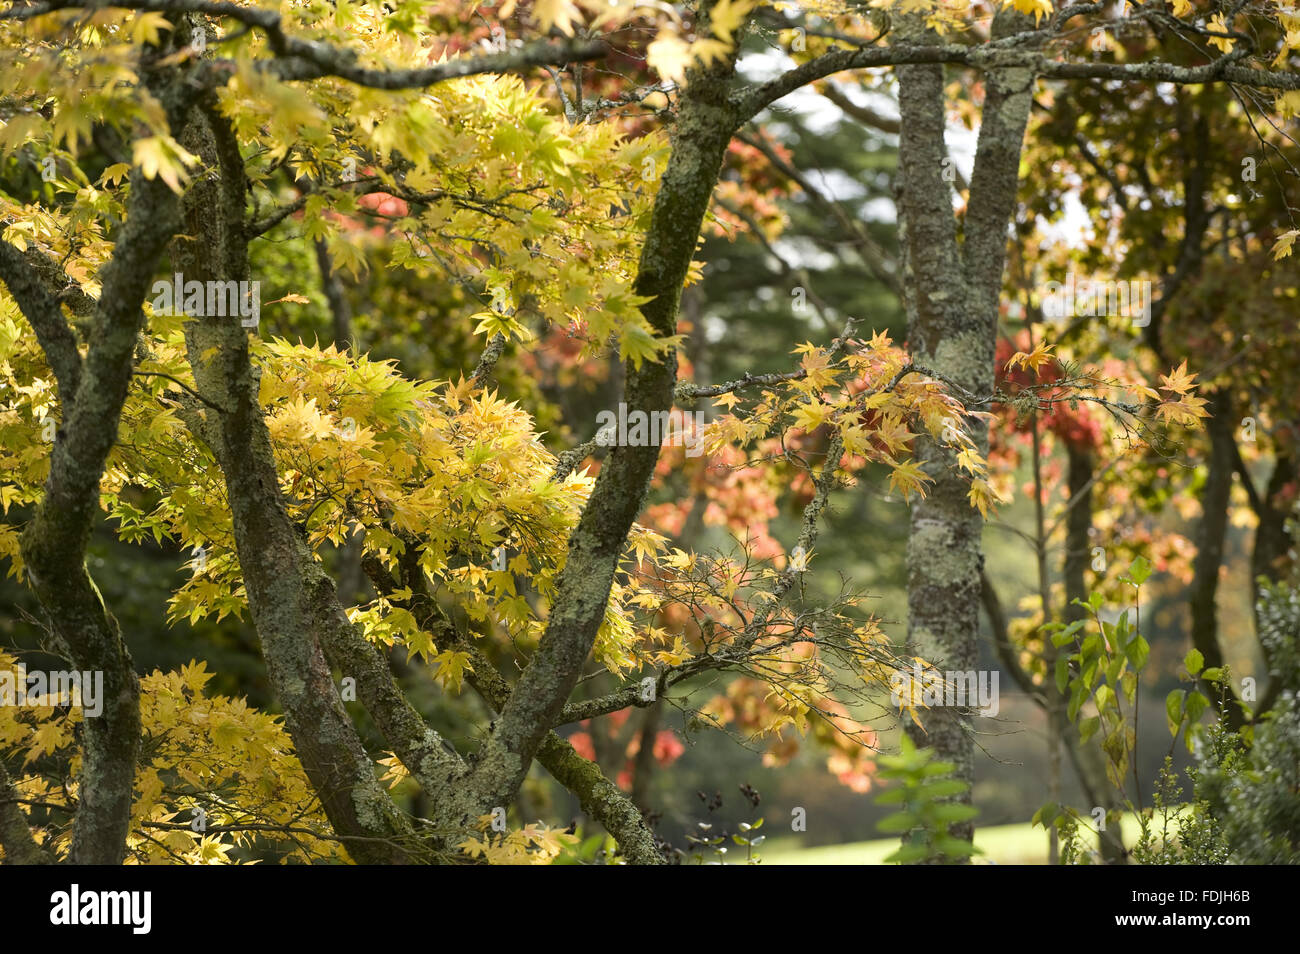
(952, 327)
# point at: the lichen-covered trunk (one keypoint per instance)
(54, 543)
(943, 548)
(952, 304)
(290, 598)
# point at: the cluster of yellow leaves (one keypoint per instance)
(28, 422)
(942, 16)
(670, 54)
(542, 216)
(872, 404)
(530, 845)
(1037, 8)
(792, 672)
(1187, 409)
(460, 476)
(908, 692)
(214, 776)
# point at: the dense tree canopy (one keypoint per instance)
(534, 384)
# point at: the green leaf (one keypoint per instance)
(1094, 603)
(1194, 661)
(1213, 674)
(1196, 705)
(1046, 814)
(893, 796)
(1062, 673)
(638, 344)
(1129, 685)
(941, 789)
(949, 812)
(907, 854)
(1089, 675)
(1076, 701)
(1063, 636)
(1174, 710)
(1088, 727)
(954, 847)
(898, 823)
(1140, 570)
(1137, 652)
(1114, 745)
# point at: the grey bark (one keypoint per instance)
(290, 598)
(951, 301)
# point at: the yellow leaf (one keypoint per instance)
(1039, 8)
(669, 55)
(812, 415)
(1220, 25)
(452, 667)
(1178, 380)
(907, 477)
(146, 28)
(163, 156)
(1035, 359)
(1288, 104)
(1282, 247)
(561, 14)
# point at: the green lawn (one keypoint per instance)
(1002, 844)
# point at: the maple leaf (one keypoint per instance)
(163, 156)
(983, 496)
(1178, 380)
(148, 27)
(1039, 8)
(561, 14)
(726, 16)
(812, 415)
(452, 667)
(1282, 247)
(907, 477)
(1219, 24)
(669, 55)
(637, 344)
(1035, 359)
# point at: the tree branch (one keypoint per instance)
(298, 59)
(993, 56)
(41, 309)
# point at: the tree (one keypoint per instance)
(176, 138)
